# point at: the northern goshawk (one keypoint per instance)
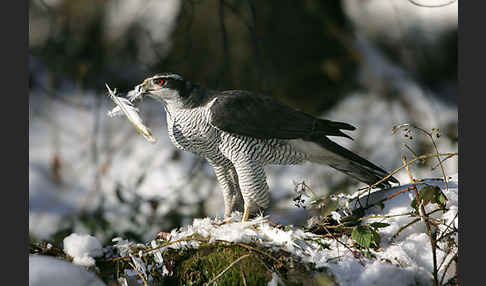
(239, 132)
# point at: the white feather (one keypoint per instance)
(125, 106)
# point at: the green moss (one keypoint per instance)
(197, 267)
(200, 266)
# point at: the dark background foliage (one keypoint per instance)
(299, 51)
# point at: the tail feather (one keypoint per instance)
(324, 151)
(338, 125)
(326, 127)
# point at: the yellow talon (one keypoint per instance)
(246, 214)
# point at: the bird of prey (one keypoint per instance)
(239, 132)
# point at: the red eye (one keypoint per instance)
(159, 82)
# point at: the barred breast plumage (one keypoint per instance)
(190, 130)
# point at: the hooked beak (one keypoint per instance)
(139, 90)
(144, 87)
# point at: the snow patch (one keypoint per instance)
(82, 248)
(407, 260)
(44, 270)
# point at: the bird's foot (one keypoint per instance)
(246, 214)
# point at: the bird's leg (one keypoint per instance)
(228, 181)
(237, 197)
(253, 186)
(246, 213)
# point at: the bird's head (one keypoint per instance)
(167, 88)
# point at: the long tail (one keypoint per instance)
(324, 151)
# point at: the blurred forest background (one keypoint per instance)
(371, 63)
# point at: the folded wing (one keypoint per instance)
(263, 117)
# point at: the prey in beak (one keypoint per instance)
(125, 107)
(138, 91)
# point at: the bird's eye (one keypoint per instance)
(159, 82)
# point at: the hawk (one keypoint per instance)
(239, 132)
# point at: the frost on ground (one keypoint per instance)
(407, 260)
(403, 259)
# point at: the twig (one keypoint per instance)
(444, 260)
(192, 239)
(412, 180)
(227, 268)
(424, 218)
(139, 274)
(442, 161)
(343, 225)
(385, 198)
(437, 152)
(410, 223)
(160, 246)
(444, 235)
(266, 266)
(421, 157)
(448, 226)
(447, 267)
(396, 194)
(340, 226)
(243, 278)
(411, 151)
(256, 249)
(402, 228)
(343, 244)
(384, 216)
(407, 125)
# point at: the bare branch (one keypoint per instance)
(425, 218)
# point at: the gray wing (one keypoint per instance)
(263, 117)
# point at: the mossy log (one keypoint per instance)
(221, 263)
